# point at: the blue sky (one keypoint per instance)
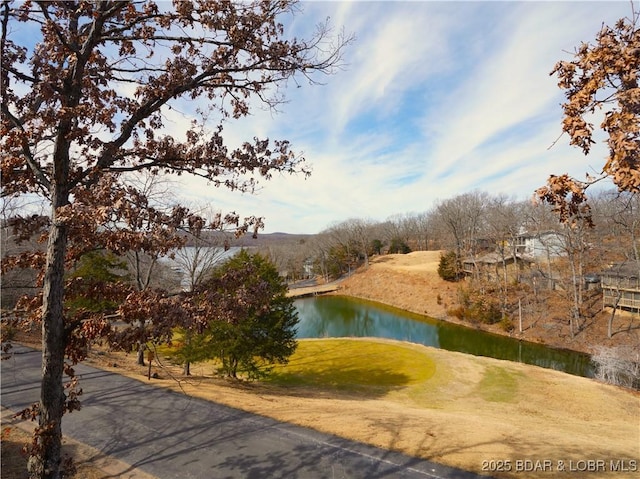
(437, 99)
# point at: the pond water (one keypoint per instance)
(336, 316)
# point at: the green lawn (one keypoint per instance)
(354, 366)
(375, 369)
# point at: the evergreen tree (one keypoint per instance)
(253, 321)
(449, 267)
(399, 246)
(96, 273)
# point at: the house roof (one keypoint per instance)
(493, 258)
(539, 234)
(626, 269)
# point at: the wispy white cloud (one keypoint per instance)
(438, 98)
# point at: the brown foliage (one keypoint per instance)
(83, 103)
(602, 77)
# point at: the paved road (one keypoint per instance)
(170, 435)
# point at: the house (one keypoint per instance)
(307, 267)
(620, 285)
(545, 245)
(491, 266)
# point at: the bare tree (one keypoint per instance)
(626, 218)
(320, 246)
(617, 365)
(426, 231)
(23, 279)
(158, 191)
(342, 251)
(84, 96)
(290, 256)
(463, 217)
(504, 221)
(360, 234)
(400, 228)
(203, 249)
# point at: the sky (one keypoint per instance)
(436, 99)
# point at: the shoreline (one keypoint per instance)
(410, 283)
(457, 322)
(578, 347)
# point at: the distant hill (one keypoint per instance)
(247, 240)
(265, 239)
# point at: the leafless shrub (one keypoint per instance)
(618, 365)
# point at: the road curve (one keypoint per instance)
(171, 435)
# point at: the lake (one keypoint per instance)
(337, 316)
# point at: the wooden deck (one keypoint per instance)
(312, 290)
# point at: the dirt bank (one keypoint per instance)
(411, 282)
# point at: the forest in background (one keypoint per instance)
(468, 225)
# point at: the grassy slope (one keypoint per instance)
(450, 407)
(411, 282)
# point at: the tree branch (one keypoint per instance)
(32, 163)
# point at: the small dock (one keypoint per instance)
(312, 290)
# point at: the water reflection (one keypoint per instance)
(335, 316)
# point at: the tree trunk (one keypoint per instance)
(613, 315)
(45, 459)
(140, 354)
(141, 347)
(610, 324)
(520, 314)
(44, 462)
(233, 368)
(576, 286)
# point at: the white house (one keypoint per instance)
(549, 244)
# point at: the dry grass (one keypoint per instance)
(408, 282)
(458, 409)
(411, 282)
(14, 463)
(464, 411)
